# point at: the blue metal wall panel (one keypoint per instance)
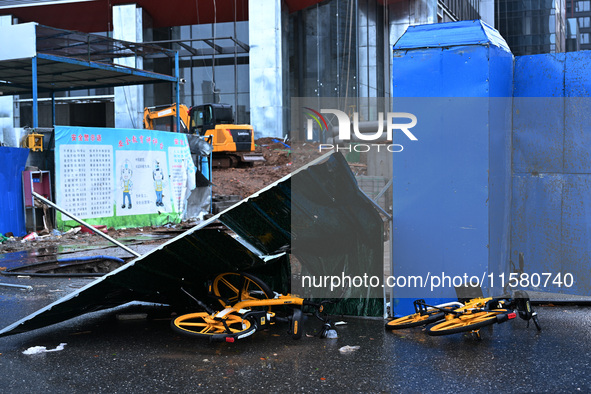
(440, 196)
(464, 72)
(536, 222)
(551, 230)
(538, 134)
(11, 198)
(415, 62)
(500, 118)
(577, 89)
(577, 80)
(551, 212)
(538, 121)
(539, 75)
(576, 233)
(416, 72)
(577, 134)
(501, 75)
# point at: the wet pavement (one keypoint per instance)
(106, 353)
(76, 258)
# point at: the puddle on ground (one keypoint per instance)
(62, 260)
(47, 254)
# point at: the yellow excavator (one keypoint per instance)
(232, 144)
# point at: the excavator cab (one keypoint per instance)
(207, 116)
(233, 144)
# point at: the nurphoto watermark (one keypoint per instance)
(345, 124)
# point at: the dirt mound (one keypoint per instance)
(281, 158)
(275, 152)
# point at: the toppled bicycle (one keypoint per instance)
(249, 305)
(471, 316)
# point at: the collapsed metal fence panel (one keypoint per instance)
(264, 219)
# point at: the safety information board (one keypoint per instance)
(122, 177)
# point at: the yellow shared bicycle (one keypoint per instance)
(456, 317)
(249, 305)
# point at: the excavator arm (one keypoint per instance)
(152, 114)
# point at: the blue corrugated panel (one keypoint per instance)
(11, 196)
(440, 35)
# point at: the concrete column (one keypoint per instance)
(6, 103)
(129, 100)
(410, 12)
(266, 67)
(487, 11)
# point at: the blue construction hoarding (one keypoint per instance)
(11, 199)
(499, 182)
(451, 188)
(551, 204)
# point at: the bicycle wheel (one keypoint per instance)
(415, 320)
(203, 325)
(232, 287)
(296, 323)
(467, 322)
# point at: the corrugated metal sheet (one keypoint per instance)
(264, 219)
(12, 218)
(441, 35)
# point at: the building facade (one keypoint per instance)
(578, 14)
(532, 27)
(253, 54)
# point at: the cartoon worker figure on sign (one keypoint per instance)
(158, 177)
(126, 183)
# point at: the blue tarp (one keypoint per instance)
(441, 35)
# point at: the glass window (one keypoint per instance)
(584, 38)
(582, 6)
